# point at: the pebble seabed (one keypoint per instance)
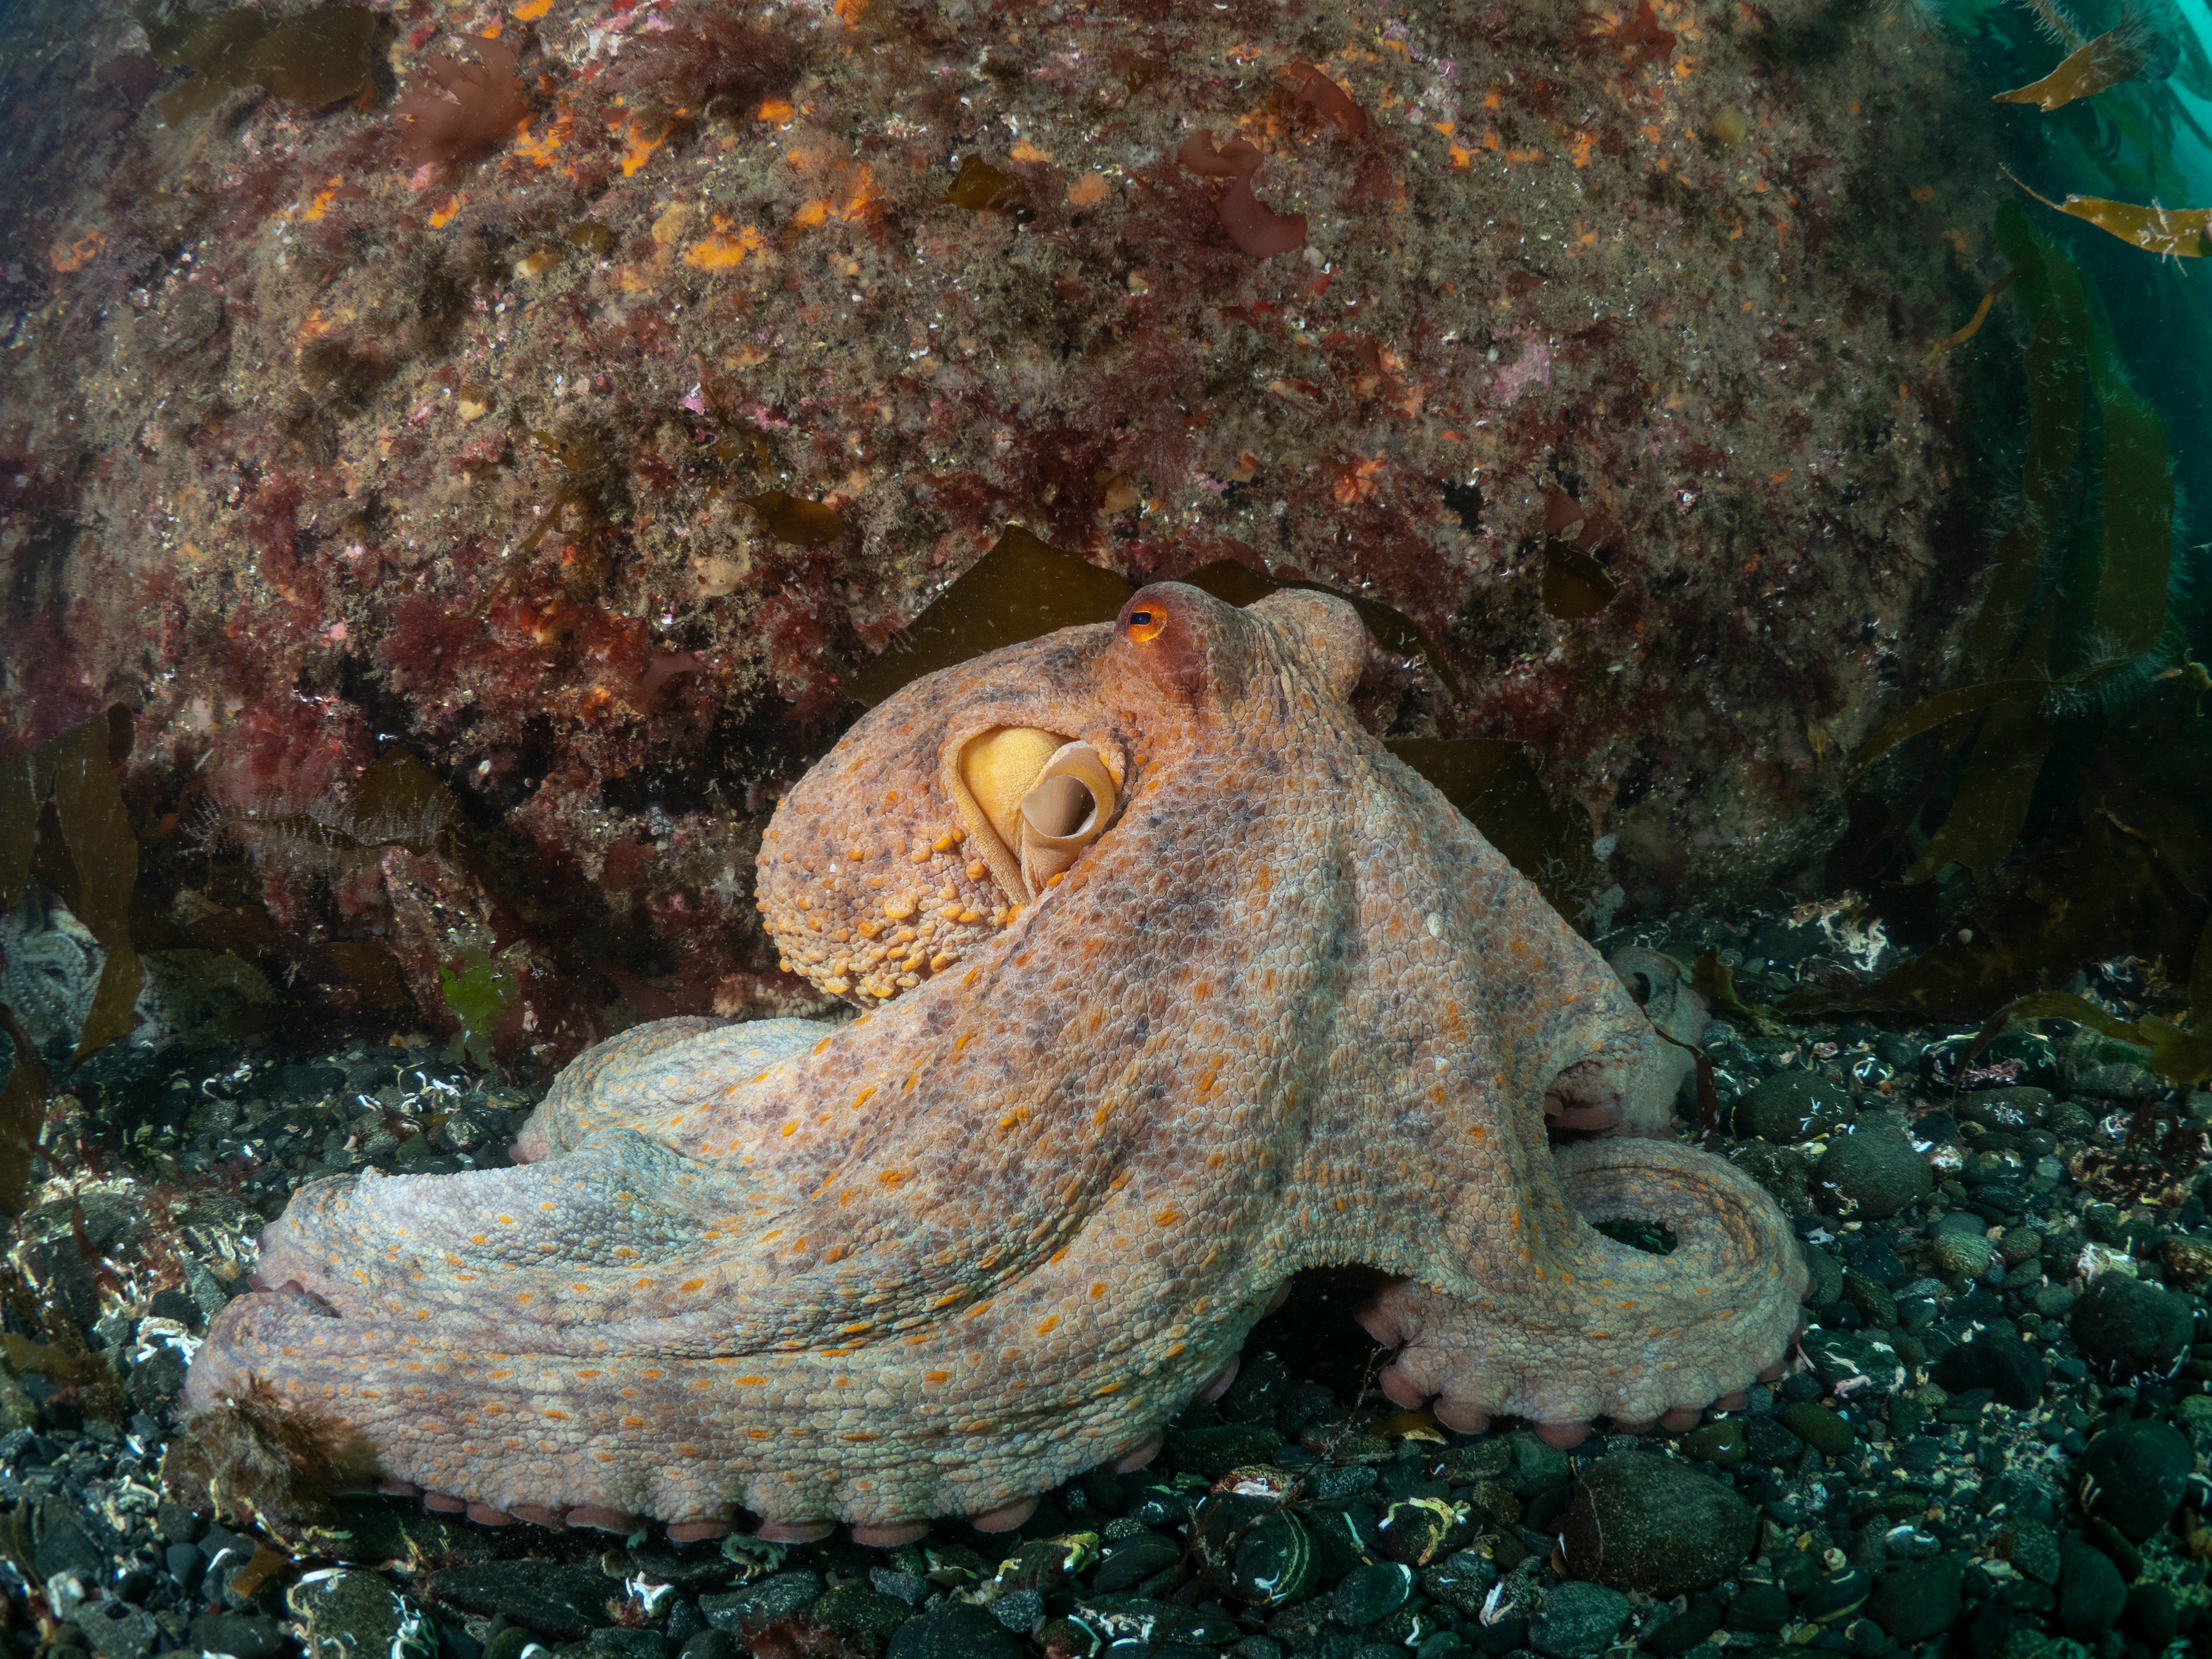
(1990, 1443)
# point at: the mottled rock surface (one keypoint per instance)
(594, 469)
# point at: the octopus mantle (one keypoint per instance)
(1285, 1007)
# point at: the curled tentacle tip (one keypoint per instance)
(1137, 1456)
(1460, 1417)
(697, 1531)
(888, 1534)
(1005, 1518)
(794, 1532)
(599, 1519)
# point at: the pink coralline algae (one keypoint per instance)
(591, 471)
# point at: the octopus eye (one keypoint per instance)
(1034, 801)
(1145, 624)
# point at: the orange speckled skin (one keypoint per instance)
(1288, 1009)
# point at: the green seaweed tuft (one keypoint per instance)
(479, 997)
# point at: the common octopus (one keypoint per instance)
(1175, 982)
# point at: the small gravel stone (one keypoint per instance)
(1686, 1631)
(2092, 1595)
(1461, 1580)
(1819, 1428)
(1850, 1363)
(342, 1615)
(779, 1594)
(863, 1614)
(1130, 1561)
(1918, 1600)
(1371, 1591)
(2125, 1327)
(2010, 1369)
(2007, 1108)
(1826, 1275)
(1870, 1174)
(707, 1645)
(1640, 1522)
(956, 1630)
(1722, 1444)
(1577, 1621)
(116, 1630)
(2133, 1476)
(2151, 1617)
(1790, 1107)
(1962, 1253)
(1018, 1610)
(2034, 1550)
(244, 1636)
(1836, 1597)
(1761, 1609)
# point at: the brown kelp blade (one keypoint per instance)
(2170, 232)
(1938, 710)
(1973, 324)
(1023, 587)
(1493, 784)
(2111, 58)
(1237, 584)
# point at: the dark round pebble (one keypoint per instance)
(2010, 1370)
(2151, 1617)
(957, 1629)
(1837, 1598)
(2126, 1327)
(1820, 1428)
(1869, 1175)
(1722, 1444)
(2133, 1476)
(1577, 1621)
(1790, 1107)
(1687, 1629)
(1759, 1608)
(1372, 1590)
(2092, 1595)
(708, 1644)
(1918, 1600)
(1640, 1522)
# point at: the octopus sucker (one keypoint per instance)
(937, 1261)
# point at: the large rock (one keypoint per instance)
(1641, 1521)
(1870, 1174)
(1790, 1107)
(2092, 1595)
(1918, 1600)
(349, 1613)
(2133, 1476)
(600, 480)
(2125, 1327)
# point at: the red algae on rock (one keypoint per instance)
(455, 109)
(596, 472)
(1256, 229)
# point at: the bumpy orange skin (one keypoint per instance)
(1288, 1009)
